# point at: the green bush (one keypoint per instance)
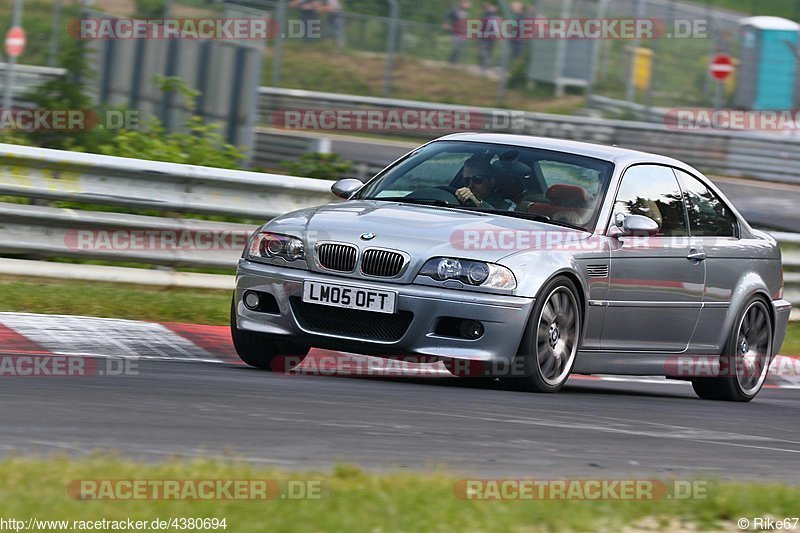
(199, 144)
(320, 166)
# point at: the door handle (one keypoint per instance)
(696, 255)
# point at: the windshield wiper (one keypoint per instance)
(514, 214)
(417, 201)
(528, 216)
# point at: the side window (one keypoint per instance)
(708, 215)
(653, 191)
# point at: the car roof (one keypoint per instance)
(613, 154)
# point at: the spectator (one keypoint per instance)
(456, 25)
(490, 25)
(335, 30)
(518, 12)
(309, 14)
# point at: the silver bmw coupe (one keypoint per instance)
(523, 259)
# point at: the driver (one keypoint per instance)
(480, 183)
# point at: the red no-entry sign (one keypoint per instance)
(15, 41)
(721, 67)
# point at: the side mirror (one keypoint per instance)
(346, 188)
(635, 226)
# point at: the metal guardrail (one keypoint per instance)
(29, 77)
(369, 156)
(165, 187)
(732, 153)
(41, 232)
(641, 111)
(35, 231)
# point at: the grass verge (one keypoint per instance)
(314, 66)
(791, 346)
(355, 500)
(110, 300)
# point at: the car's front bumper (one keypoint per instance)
(504, 317)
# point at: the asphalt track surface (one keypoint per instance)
(591, 429)
(596, 429)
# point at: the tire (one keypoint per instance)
(264, 351)
(551, 340)
(744, 363)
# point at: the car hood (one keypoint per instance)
(422, 231)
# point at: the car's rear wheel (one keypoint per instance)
(264, 351)
(551, 339)
(744, 363)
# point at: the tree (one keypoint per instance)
(67, 92)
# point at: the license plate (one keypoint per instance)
(349, 297)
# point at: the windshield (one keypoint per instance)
(523, 182)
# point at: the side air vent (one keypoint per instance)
(597, 271)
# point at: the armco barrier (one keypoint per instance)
(40, 232)
(27, 78)
(734, 153)
(762, 156)
(165, 187)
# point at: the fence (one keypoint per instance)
(679, 66)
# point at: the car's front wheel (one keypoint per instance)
(551, 339)
(264, 351)
(744, 364)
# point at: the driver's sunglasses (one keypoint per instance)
(477, 180)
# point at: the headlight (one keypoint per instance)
(270, 245)
(476, 273)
